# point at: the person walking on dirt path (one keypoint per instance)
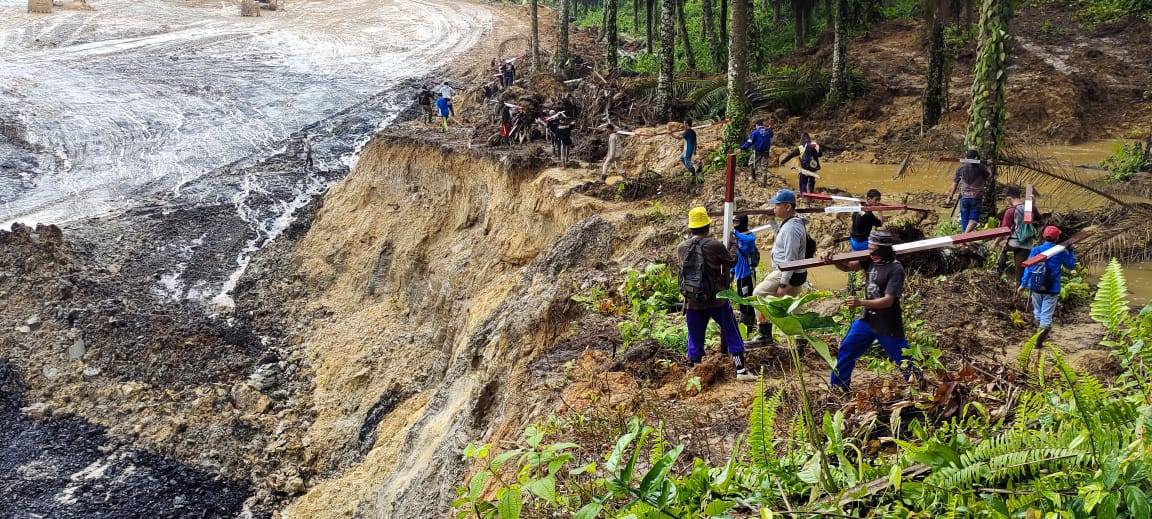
(505, 123)
(1024, 235)
(864, 221)
(760, 141)
(564, 136)
(308, 162)
(883, 319)
(970, 180)
(791, 244)
(424, 100)
(503, 73)
(445, 108)
(704, 266)
(612, 158)
(689, 137)
(1043, 280)
(809, 153)
(447, 92)
(510, 73)
(747, 261)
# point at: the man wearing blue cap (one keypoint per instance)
(791, 244)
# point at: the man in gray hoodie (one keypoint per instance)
(790, 245)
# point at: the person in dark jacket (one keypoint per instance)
(864, 221)
(809, 153)
(718, 260)
(424, 99)
(760, 141)
(1046, 290)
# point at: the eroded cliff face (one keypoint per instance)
(426, 283)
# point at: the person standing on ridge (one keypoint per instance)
(564, 136)
(704, 266)
(791, 244)
(747, 260)
(809, 153)
(970, 179)
(1024, 235)
(447, 92)
(424, 99)
(760, 140)
(445, 108)
(612, 158)
(689, 137)
(510, 72)
(883, 319)
(1043, 280)
(864, 221)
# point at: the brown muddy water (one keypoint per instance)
(932, 176)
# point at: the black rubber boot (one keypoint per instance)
(763, 334)
(1043, 336)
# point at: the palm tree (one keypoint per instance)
(737, 106)
(689, 57)
(534, 49)
(989, 74)
(838, 91)
(936, 85)
(561, 62)
(648, 18)
(610, 12)
(667, 60)
(711, 38)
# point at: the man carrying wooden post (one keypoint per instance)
(1042, 278)
(790, 244)
(883, 319)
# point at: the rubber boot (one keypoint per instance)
(1043, 335)
(742, 372)
(763, 334)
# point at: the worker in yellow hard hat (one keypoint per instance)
(705, 264)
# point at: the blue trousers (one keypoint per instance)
(860, 336)
(969, 212)
(1044, 307)
(698, 324)
(687, 161)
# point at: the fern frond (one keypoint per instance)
(762, 425)
(1110, 306)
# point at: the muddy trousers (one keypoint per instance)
(859, 338)
(698, 324)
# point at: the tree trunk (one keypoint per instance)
(534, 45)
(838, 90)
(986, 113)
(667, 60)
(561, 60)
(711, 39)
(724, 20)
(777, 7)
(830, 15)
(610, 10)
(689, 57)
(936, 83)
(635, 15)
(798, 26)
(648, 19)
(737, 106)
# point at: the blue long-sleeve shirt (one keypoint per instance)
(760, 140)
(1066, 259)
(745, 244)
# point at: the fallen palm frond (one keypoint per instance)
(1054, 178)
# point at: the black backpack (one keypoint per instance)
(1041, 279)
(696, 283)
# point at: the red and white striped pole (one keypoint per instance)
(831, 198)
(729, 196)
(901, 248)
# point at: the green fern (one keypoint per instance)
(762, 425)
(1110, 307)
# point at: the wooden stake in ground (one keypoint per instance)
(729, 196)
(901, 248)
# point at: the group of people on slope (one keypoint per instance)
(441, 97)
(759, 141)
(708, 267)
(1024, 241)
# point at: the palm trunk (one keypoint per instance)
(534, 47)
(937, 85)
(777, 7)
(838, 90)
(689, 57)
(648, 19)
(635, 15)
(610, 33)
(724, 20)
(667, 60)
(798, 27)
(737, 106)
(708, 24)
(986, 113)
(561, 62)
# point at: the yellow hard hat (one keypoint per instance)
(698, 217)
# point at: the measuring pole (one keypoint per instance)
(827, 197)
(900, 248)
(729, 196)
(833, 209)
(1028, 203)
(1056, 249)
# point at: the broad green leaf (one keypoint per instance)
(718, 507)
(476, 486)
(544, 488)
(510, 505)
(589, 511)
(895, 477)
(653, 480)
(504, 457)
(1137, 502)
(821, 347)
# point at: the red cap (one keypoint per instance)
(1051, 233)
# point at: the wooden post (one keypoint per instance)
(729, 196)
(900, 248)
